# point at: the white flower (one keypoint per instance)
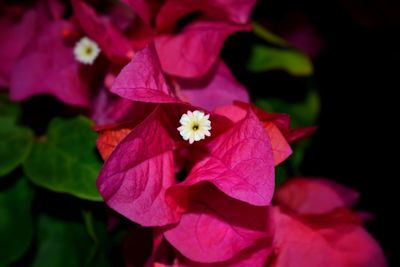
(86, 51)
(195, 126)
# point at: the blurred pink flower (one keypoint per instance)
(17, 27)
(111, 39)
(314, 222)
(46, 64)
(188, 36)
(36, 68)
(311, 225)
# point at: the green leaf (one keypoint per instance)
(268, 36)
(265, 58)
(9, 109)
(65, 160)
(90, 226)
(302, 114)
(15, 141)
(281, 175)
(307, 112)
(99, 235)
(16, 225)
(299, 151)
(66, 243)
(15, 144)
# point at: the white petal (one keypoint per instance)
(206, 123)
(184, 119)
(197, 137)
(197, 114)
(185, 136)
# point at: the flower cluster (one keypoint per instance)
(45, 51)
(209, 202)
(186, 155)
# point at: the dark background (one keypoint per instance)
(357, 76)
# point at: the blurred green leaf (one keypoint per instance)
(9, 109)
(299, 151)
(15, 144)
(15, 141)
(281, 175)
(65, 160)
(16, 226)
(268, 36)
(302, 114)
(100, 237)
(307, 113)
(265, 58)
(90, 226)
(66, 243)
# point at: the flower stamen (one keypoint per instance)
(86, 51)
